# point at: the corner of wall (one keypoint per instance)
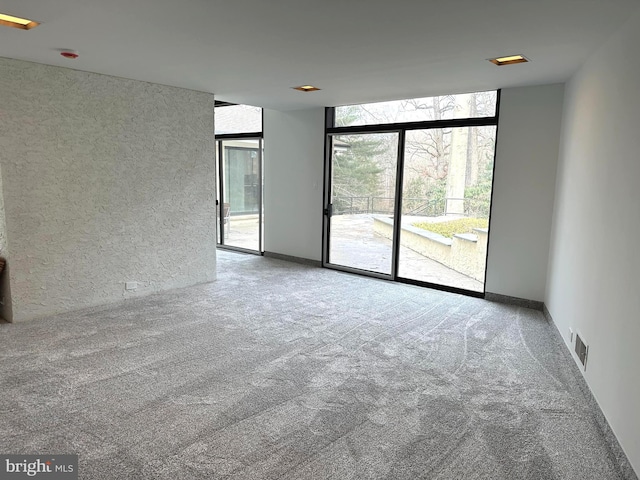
(523, 190)
(114, 184)
(592, 270)
(6, 311)
(294, 166)
(620, 458)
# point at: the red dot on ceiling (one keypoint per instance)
(71, 55)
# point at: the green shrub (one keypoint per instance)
(450, 228)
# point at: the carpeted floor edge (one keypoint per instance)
(619, 457)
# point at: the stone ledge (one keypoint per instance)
(469, 237)
(464, 253)
(436, 237)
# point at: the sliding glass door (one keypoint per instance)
(240, 211)
(362, 205)
(239, 162)
(446, 196)
(408, 189)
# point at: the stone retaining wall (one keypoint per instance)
(464, 253)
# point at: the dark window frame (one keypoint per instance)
(219, 139)
(402, 127)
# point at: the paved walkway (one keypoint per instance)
(354, 244)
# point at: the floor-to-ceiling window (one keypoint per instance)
(408, 189)
(239, 163)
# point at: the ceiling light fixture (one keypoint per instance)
(509, 60)
(17, 22)
(306, 88)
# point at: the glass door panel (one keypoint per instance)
(362, 201)
(446, 197)
(240, 211)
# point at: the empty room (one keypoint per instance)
(319, 240)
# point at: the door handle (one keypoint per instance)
(329, 210)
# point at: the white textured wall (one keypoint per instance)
(3, 233)
(293, 173)
(106, 180)
(594, 267)
(523, 190)
(5, 293)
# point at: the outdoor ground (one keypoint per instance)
(354, 244)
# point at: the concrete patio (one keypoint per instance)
(355, 244)
(242, 231)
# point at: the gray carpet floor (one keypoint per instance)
(282, 371)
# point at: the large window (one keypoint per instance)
(409, 189)
(235, 119)
(239, 179)
(446, 107)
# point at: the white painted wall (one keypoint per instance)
(523, 190)
(293, 173)
(524, 187)
(594, 266)
(106, 180)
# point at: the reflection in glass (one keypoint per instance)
(468, 105)
(238, 119)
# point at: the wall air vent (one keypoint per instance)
(582, 350)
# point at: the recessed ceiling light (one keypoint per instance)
(510, 60)
(17, 22)
(306, 88)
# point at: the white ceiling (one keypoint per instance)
(253, 51)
